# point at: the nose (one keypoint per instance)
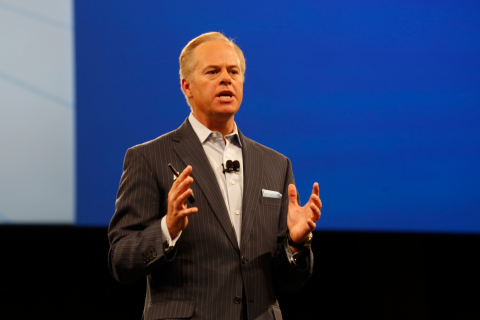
(225, 77)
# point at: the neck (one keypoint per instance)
(223, 124)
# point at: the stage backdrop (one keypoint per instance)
(378, 101)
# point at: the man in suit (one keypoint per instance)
(212, 243)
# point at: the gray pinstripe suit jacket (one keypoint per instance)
(206, 271)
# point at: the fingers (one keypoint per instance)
(182, 213)
(316, 189)
(316, 200)
(182, 198)
(185, 173)
(292, 194)
(177, 210)
(184, 185)
(181, 183)
(316, 211)
(187, 212)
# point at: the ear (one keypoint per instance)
(186, 88)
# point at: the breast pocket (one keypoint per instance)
(271, 201)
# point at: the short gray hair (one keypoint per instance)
(187, 57)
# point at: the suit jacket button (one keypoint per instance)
(144, 260)
(154, 254)
(237, 300)
(244, 261)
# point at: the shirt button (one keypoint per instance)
(233, 182)
(214, 135)
(237, 212)
(227, 155)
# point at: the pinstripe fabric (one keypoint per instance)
(202, 276)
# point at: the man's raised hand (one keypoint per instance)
(301, 220)
(177, 214)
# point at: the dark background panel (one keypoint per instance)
(61, 273)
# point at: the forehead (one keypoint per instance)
(215, 53)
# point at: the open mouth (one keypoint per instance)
(225, 94)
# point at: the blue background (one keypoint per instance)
(378, 101)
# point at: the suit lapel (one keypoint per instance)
(252, 179)
(191, 152)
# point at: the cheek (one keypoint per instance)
(239, 92)
(209, 91)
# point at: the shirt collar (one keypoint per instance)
(203, 132)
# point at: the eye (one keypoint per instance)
(212, 72)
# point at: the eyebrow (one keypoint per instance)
(217, 66)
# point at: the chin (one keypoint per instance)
(227, 110)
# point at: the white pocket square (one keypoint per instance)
(271, 194)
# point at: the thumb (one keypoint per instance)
(292, 194)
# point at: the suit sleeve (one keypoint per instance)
(135, 233)
(287, 275)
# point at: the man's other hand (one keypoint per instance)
(177, 215)
(301, 220)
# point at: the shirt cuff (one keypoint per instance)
(166, 234)
(299, 259)
(289, 253)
